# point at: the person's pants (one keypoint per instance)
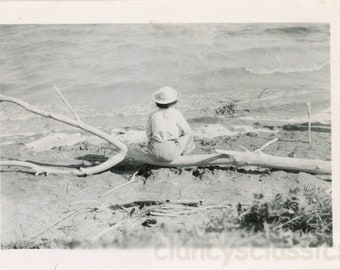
(170, 150)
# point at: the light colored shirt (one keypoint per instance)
(166, 124)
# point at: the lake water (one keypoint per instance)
(109, 72)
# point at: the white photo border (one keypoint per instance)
(185, 11)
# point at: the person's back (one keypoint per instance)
(167, 124)
(168, 132)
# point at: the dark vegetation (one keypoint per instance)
(228, 108)
(300, 217)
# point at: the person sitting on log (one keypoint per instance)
(168, 132)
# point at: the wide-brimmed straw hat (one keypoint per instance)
(165, 95)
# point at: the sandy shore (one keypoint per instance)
(63, 211)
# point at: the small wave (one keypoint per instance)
(311, 68)
(291, 30)
(233, 71)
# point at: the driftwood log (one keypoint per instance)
(240, 159)
(121, 147)
(222, 157)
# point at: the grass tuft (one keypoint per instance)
(307, 211)
(228, 108)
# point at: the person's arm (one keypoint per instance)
(183, 125)
(149, 129)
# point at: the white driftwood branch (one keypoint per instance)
(239, 159)
(122, 148)
(266, 145)
(261, 159)
(222, 157)
(36, 168)
(66, 102)
(309, 121)
(133, 180)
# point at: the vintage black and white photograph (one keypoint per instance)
(137, 135)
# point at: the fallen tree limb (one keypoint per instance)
(239, 159)
(222, 157)
(261, 159)
(37, 169)
(75, 123)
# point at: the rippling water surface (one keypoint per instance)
(108, 72)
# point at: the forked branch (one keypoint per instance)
(121, 147)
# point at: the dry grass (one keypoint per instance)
(297, 218)
(304, 216)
